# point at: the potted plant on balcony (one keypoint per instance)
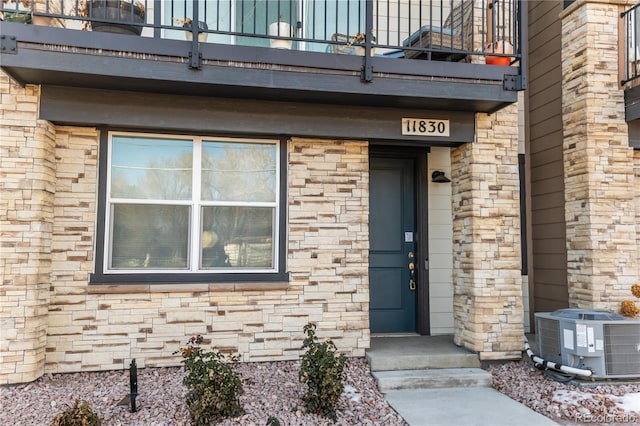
(280, 29)
(120, 16)
(19, 11)
(350, 45)
(187, 23)
(499, 46)
(358, 40)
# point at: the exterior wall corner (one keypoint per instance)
(488, 310)
(27, 161)
(602, 251)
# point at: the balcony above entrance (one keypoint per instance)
(415, 53)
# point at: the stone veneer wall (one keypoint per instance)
(636, 165)
(599, 172)
(488, 310)
(103, 327)
(329, 241)
(47, 304)
(27, 180)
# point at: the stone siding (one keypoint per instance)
(28, 173)
(53, 321)
(636, 167)
(598, 163)
(488, 311)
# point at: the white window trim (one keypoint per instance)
(195, 207)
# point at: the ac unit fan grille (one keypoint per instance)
(549, 339)
(622, 349)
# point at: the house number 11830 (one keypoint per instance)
(425, 127)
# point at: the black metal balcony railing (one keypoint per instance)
(450, 30)
(631, 49)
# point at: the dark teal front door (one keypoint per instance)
(392, 245)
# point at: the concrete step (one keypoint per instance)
(432, 379)
(393, 361)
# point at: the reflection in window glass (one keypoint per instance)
(238, 172)
(255, 17)
(216, 14)
(149, 236)
(191, 205)
(228, 20)
(151, 169)
(326, 18)
(240, 237)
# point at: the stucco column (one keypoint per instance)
(27, 164)
(598, 163)
(488, 311)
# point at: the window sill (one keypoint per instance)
(178, 288)
(187, 278)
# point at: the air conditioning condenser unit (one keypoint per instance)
(604, 342)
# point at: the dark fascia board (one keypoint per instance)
(398, 82)
(150, 47)
(117, 73)
(208, 115)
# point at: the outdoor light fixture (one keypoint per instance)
(439, 177)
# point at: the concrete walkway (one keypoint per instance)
(477, 406)
(430, 381)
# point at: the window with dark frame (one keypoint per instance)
(190, 208)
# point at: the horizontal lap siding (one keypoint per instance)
(544, 157)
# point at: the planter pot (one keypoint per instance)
(499, 46)
(280, 29)
(497, 60)
(114, 10)
(202, 26)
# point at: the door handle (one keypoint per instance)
(412, 276)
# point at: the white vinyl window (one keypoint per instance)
(179, 204)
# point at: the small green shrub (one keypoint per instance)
(273, 421)
(80, 414)
(213, 386)
(322, 371)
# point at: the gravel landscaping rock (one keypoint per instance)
(270, 389)
(604, 402)
(273, 389)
